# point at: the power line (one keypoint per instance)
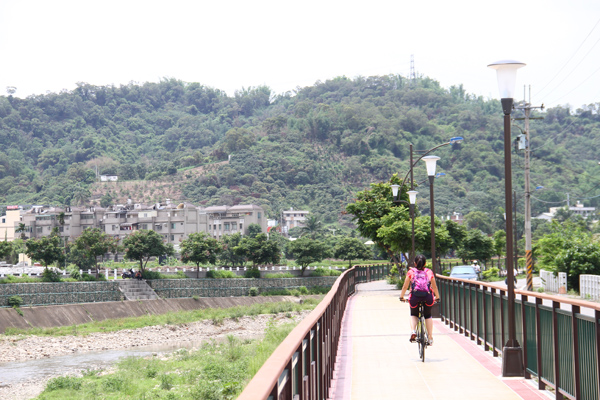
(576, 87)
(570, 58)
(548, 202)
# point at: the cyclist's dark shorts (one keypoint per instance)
(414, 302)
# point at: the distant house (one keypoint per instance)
(109, 178)
(292, 219)
(578, 209)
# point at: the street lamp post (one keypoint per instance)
(412, 200)
(431, 162)
(512, 353)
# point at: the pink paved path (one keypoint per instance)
(377, 361)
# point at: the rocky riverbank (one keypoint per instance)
(22, 347)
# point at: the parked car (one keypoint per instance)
(464, 272)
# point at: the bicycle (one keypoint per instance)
(422, 338)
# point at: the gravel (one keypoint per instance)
(21, 347)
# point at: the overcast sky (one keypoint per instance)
(50, 45)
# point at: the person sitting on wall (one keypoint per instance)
(138, 275)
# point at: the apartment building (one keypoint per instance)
(291, 219)
(174, 222)
(226, 220)
(9, 223)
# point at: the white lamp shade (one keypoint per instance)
(431, 161)
(412, 196)
(506, 71)
(395, 190)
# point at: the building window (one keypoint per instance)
(172, 238)
(226, 226)
(233, 226)
(144, 226)
(258, 215)
(173, 225)
(114, 227)
(209, 226)
(241, 227)
(39, 229)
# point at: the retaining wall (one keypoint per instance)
(40, 294)
(178, 288)
(75, 314)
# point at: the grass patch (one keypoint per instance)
(216, 315)
(325, 272)
(280, 275)
(216, 371)
(299, 291)
(222, 274)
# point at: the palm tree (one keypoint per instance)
(312, 226)
(21, 228)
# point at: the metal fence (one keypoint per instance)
(301, 368)
(561, 346)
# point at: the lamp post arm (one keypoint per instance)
(419, 159)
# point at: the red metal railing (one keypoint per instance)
(301, 368)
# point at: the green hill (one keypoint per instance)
(312, 149)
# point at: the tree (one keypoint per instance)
(306, 251)
(259, 250)
(5, 249)
(370, 209)
(144, 244)
(476, 246)
(351, 249)
(579, 258)
(94, 243)
(228, 254)
(478, 220)
(312, 227)
(46, 250)
(200, 248)
(253, 230)
(499, 242)
(457, 233)
(106, 200)
(21, 228)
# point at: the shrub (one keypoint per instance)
(147, 274)
(222, 274)
(303, 290)
(252, 273)
(400, 282)
(253, 291)
(15, 301)
(64, 382)
(320, 271)
(490, 273)
(50, 275)
(279, 275)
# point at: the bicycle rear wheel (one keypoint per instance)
(422, 339)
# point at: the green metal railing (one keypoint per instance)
(561, 347)
(302, 366)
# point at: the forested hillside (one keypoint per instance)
(312, 149)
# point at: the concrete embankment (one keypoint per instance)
(75, 314)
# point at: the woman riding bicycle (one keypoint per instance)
(422, 283)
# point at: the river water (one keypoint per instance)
(43, 368)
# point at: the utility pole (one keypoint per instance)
(526, 107)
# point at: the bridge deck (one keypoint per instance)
(377, 361)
